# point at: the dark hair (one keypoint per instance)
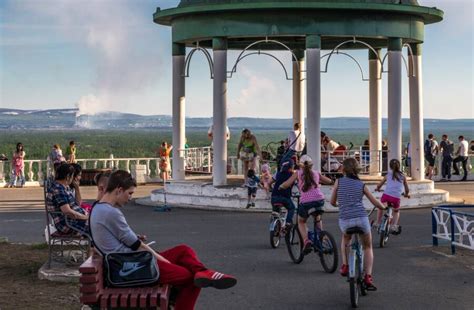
(461, 137)
(395, 166)
(250, 173)
(163, 143)
(350, 167)
(77, 169)
(64, 171)
(296, 126)
(445, 136)
(120, 179)
(101, 175)
(71, 142)
(430, 136)
(366, 142)
(308, 180)
(18, 145)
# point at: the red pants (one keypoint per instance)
(180, 273)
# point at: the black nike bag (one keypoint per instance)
(130, 269)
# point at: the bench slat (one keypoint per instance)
(89, 288)
(104, 300)
(124, 299)
(144, 294)
(134, 298)
(114, 300)
(89, 278)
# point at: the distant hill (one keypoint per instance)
(66, 119)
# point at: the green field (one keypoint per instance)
(143, 143)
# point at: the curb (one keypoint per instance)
(147, 202)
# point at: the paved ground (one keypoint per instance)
(410, 274)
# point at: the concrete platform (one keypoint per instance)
(199, 192)
(59, 272)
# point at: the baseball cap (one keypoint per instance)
(306, 158)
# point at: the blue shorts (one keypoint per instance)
(308, 208)
(361, 222)
(251, 191)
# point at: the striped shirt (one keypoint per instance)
(349, 198)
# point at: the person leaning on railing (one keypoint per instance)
(61, 202)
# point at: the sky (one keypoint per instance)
(108, 55)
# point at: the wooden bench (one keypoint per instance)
(95, 294)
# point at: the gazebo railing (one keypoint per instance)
(37, 170)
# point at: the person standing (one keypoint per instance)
(18, 167)
(247, 151)
(462, 156)
(165, 167)
(431, 150)
(296, 141)
(71, 153)
(446, 147)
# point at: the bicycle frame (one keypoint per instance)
(386, 217)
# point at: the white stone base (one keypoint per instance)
(198, 192)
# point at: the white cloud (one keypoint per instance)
(115, 34)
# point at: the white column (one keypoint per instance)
(298, 89)
(179, 52)
(394, 99)
(416, 114)
(313, 91)
(219, 172)
(375, 111)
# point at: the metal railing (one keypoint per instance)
(454, 226)
(198, 159)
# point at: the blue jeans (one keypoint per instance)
(14, 178)
(289, 205)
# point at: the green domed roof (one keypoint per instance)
(184, 3)
(245, 21)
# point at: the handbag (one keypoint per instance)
(127, 269)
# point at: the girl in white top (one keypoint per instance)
(396, 185)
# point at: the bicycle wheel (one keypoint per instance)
(384, 234)
(329, 255)
(354, 284)
(294, 244)
(354, 292)
(275, 233)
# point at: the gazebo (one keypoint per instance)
(303, 28)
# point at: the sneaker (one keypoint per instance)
(252, 204)
(344, 271)
(393, 229)
(248, 205)
(369, 284)
(211, 278)
(308, 247)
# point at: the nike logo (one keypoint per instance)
(129, 268)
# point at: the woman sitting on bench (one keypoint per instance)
(61, 203)
(178, 266)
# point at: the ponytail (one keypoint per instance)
(308, 180)
(395, 167)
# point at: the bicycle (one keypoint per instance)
(384, 228)
(277, 224)
(323, 244)
(356, 266)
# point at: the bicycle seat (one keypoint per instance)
(354, 230)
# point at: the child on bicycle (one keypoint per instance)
(396, 185)
(252, 184)
(283, 195)
(311, 197)
(347, 195)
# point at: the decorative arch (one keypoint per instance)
(242, 55)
